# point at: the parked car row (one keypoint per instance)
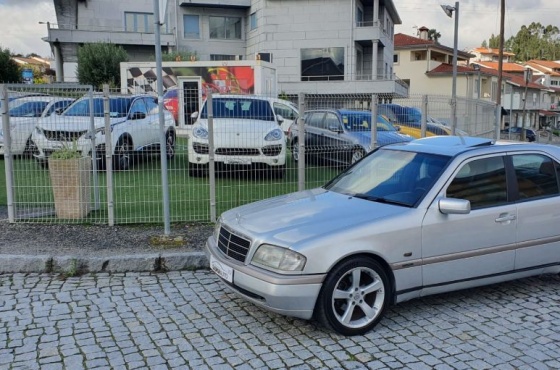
(41, 125)
(409, 120)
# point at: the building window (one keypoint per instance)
(253, 21)
(359, 17)
(396, 58)
(225, 28)
(218, 57)
(322, 64)
(191, 25)
(139, 22)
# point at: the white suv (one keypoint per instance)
(134, 129)
(247, 133)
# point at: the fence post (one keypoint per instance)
(373, 143)
(211, 163)
(424, 122)
(301, 142)
(8, 160)
(93, 150)
(498, 122)
(108, 156)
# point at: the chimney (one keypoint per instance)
(423, 32)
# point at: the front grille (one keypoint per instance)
(233, 245)
(64, 136)
(237, 151)
(272, 150)
(200, 148)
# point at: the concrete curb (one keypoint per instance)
(72, 265)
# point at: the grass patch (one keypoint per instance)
(138, 195)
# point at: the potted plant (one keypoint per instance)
(70, 175)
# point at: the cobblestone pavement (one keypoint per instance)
(189, 320)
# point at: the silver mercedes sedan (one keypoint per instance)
(409, 220)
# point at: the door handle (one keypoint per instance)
(505, 217)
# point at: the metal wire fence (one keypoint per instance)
(221, 150)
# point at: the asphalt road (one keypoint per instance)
(182, 320)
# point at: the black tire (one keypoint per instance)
(341, 296)
(30, 149)
(170, 144)
(295, 151)
(357, 154)
(122, 157)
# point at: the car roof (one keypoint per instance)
(43, 98)
(455, 145)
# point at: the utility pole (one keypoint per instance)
(500, 68)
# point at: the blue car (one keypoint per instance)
(530, 135)
(341, 136)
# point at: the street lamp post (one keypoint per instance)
(448, 9)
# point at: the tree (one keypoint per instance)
(494, 42)
(9, 70)
(434, 35)
(484, 44)
(535, 41)
(99, 63)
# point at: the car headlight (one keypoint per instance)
(274, 135)
(278, 258)
(200, 133)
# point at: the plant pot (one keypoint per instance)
(71, 184)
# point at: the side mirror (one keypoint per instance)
(194, 115)
(279, 119)
(453, 206)
(138, 115)
(59, 111)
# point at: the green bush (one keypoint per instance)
(99, 63)
(9, 70)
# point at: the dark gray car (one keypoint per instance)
(341, 136)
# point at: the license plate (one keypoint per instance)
(244, 161)
(222, 270)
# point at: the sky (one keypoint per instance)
(21, 32)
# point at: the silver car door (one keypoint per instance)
(465, 248)
(538, 211)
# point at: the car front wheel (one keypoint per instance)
(170, 144)
(354, 296)
(123, 155)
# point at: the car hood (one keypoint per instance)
(383, 137)
(74, 123)
(297, 217)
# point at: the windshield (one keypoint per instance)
(240, 108)
(118, 107)
(361, 121)
(391, 176)
(29, 109)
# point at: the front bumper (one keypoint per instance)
(290, 295)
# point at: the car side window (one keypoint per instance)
(482, 182)
(152, 106)
(537, 176)
(58, 105)
(315, 119)
(285, 111)
(331, 122)
(138, 107)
